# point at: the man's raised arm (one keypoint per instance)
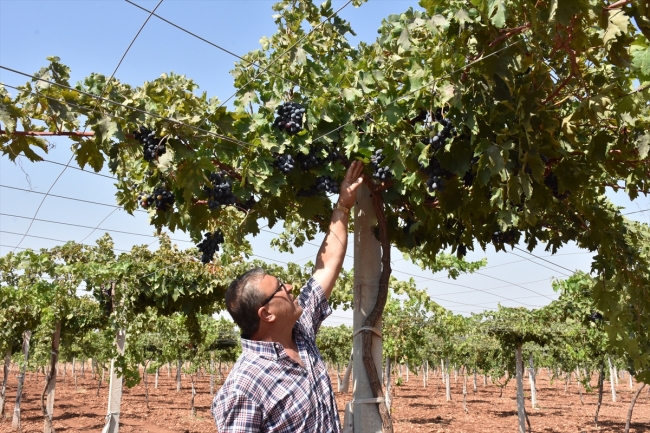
(332, 252)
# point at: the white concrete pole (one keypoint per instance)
(15, 423)
(3, 391)
(521, 409)
(612, 379)
(115, 390)
(345, 386)
(475, 380)
(445, 372)
(531, 378)
(367, 271)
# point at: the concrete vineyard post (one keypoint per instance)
(446, 374)
(521, 409)
(387, 378)
(442, 370)
(345, 386)
(475, 387)
(178, 375)
(3, 391)
(424, 374)
(531, 378)
(15, 423)
(212, 373)
(367, 271)
(612, 379)
(115, 390)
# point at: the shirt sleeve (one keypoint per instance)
(235, 412)
(315, 307)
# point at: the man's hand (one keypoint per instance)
(332, 252)
(351, 184)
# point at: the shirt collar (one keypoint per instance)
(263, 349)
(269, 349)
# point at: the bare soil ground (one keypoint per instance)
(415, 409)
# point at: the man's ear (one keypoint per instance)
(265, 315)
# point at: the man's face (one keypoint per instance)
(279, 299)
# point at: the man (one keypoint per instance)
(280, 383)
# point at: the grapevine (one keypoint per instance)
(311, 160)
(220, 191)
(439, 139)
(437, 176)
(210, 245)
(290, 117)
(161, 199)
(152, 147)
(323, 184)
(106, 300)
(285, 163)
(382, 173)
(511, 236)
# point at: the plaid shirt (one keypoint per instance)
(267, 391)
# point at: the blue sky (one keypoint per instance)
(91, 36)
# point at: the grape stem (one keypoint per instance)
(509, 34)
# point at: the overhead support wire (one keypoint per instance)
(219, 47)
(128, 107)
(72, 157)
(464, 286)
(69, 198)
(90, 227)
(516, 285)
(260, 72)
(49, 239)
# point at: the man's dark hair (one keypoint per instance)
(243, 299)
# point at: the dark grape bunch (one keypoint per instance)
(327, 184)
(285, 163)
(439, 140)
(151, 145)
(408, 223)
(323, 184)
(437, 174)
(468, 178)
(379, 172)
(311, 160)
(595, 316)
(511, 236)
(551, 181)
(461, 251)
(152, 351)
(160, 198)
(106, 300)
(290, 117)
(248, 205)
(210, 245)
(220, 191)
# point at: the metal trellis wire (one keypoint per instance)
(72, 156)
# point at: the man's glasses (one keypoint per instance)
(280, 287)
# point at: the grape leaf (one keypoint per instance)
(617, 23)
(643, 145)
(497, 12)
(641, 61)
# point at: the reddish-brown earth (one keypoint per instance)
(415, 409)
